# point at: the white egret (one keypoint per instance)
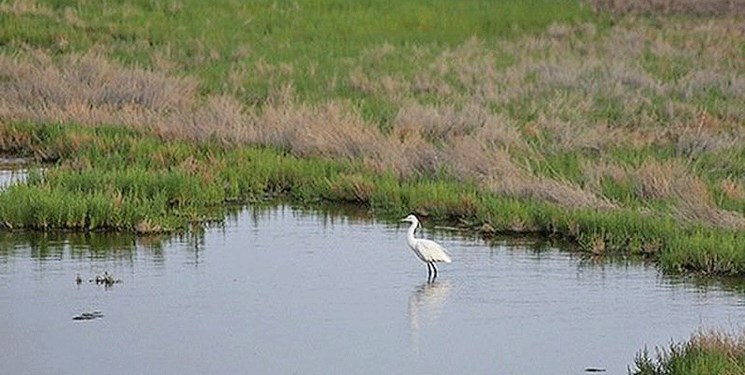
(429, 252)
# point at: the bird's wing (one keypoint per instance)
(432, 251)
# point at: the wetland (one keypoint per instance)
(282, 290)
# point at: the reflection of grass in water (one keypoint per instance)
(92, 246)
(53, 245)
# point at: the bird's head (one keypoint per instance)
(411, 219)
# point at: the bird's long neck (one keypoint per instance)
(410, 234)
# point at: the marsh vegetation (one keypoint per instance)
(713, 352)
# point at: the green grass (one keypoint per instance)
(705, 354)
(317, 39)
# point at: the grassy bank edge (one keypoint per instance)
(110, 178)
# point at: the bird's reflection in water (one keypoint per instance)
(425, 304)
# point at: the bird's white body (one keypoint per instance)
(429, 252)
(426, 250)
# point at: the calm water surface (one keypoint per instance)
(282, 291)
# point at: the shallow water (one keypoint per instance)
(280, 291)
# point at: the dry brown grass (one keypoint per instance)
(649, 78)
(661, 180)
(700, 7)
(19, 7)
(732, 189)
(697, 212)
(730, 344)
(672, 182)
(91, 90)
(474, 143)
(693, 200)
(330, 129)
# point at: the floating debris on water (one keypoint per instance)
(594, 369)
(88, 315)
(106, 279)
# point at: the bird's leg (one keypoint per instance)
(429, 271)
(434, 268)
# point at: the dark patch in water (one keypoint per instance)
(88, 316)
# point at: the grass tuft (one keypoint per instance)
(705, 353)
